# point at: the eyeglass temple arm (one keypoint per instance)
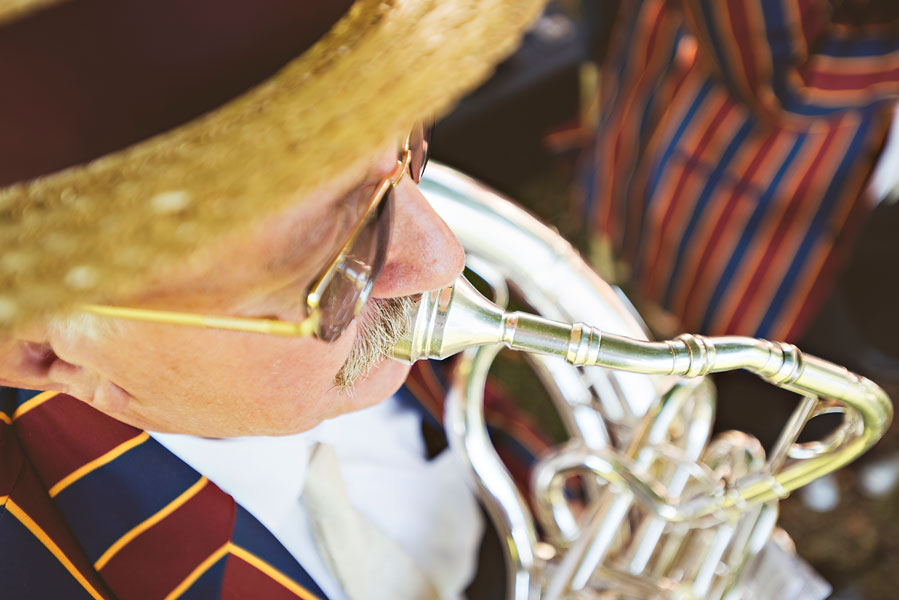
(266, 326)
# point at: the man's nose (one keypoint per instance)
(423, 254)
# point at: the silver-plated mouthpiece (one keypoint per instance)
(449, 320)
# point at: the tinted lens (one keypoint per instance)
(353, 278)
(419, 144)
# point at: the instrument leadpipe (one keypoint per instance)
(446, 321)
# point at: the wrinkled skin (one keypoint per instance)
(222, 383)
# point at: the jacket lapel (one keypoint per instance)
(149, 524)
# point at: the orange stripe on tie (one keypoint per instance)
(97, 463)
(33, 403)
(5, 418)
(150, 522)
(42, 536)
(198, 572)
(271, 571)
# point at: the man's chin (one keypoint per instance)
(380, 383)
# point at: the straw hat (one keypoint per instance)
(96, 196)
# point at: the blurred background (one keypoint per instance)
(528, 133)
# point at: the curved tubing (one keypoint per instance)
(458, 317)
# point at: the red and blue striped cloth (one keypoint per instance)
(732, 153)
(91, 508)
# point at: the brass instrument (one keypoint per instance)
(669, 512)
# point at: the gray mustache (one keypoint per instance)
(384, 322)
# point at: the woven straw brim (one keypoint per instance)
(97, 232)
(12, 10)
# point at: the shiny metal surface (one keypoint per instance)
(459, 317)
(665, 511)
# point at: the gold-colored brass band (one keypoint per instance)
(267, 326)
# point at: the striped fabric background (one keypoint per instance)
(731, 157)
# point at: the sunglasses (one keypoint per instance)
(340, 291)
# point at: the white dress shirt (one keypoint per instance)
(425, 506)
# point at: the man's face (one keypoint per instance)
(223, 383)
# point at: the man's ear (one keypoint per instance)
(30, 365)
